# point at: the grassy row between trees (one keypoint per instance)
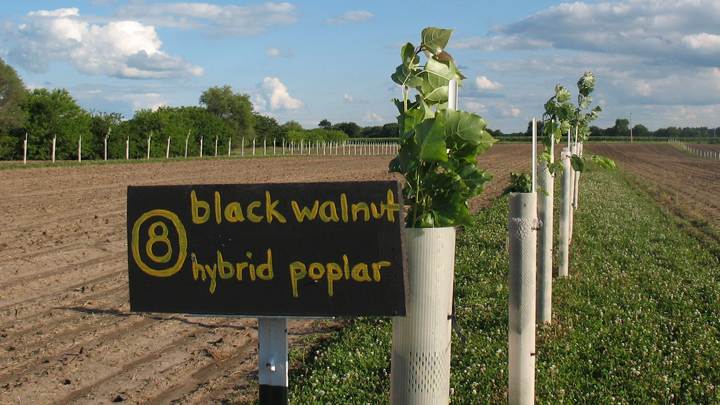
(638, 321)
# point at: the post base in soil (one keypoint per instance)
(272, 395)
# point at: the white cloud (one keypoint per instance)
(348, 99)
(483, 83)
(703, 42)
(274, 52)
(279, 99)
(220, 21)
(127, 49)
(351, 17)
(371, 117)
(512, 112)
(675, 31)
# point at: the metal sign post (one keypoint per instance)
(273, 361)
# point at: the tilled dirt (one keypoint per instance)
(691, 181)
(66, 333)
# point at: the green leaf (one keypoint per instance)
(408, 55)
(607, 163)
(520, 183)
(406, 76)
(562, 94)
(578, 163)
(406, 161)
(435, 40)
(452, 215)
(444, 69)
(431, 140)
(408, 122)
(466, 126)
(474, 179)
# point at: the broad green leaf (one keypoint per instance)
(408, 55)
(431, 141)
(406, 161)
(444, 69)
(562, 94)
(434, 89)
(520, 183)
(408, 122)
(607, 163)
(435, 39)
(474, 179)
(406, 76)
(578, 163)
(465, 125)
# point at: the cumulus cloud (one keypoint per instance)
(275, 95)
(348, 99)
(351, 17)
(219, 21)
(373, 118)
(678, 31)
(127, 49)
(274, 52)
(483, 83)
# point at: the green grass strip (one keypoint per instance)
(638, 321)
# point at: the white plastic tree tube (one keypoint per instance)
(571, 194)
(522, 243)
(565, 213)
(579, 152)
(546, 181)
(54, 143)
(421, 340)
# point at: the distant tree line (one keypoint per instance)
(622, 129)
(223, 118)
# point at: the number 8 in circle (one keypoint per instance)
(162, 237)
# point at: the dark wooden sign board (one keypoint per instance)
(287, 250)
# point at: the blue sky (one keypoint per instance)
(327, 59)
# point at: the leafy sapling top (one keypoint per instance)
(438, 145)
(562, 117)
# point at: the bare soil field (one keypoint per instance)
(688, 180)
(66, 333)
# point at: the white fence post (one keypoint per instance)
(80, 149)
(522, 242)
(148, 148)
(25, 143)
(54, 143)
(202, 138)
(127, 149)
(167, 150)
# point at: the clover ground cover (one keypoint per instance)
(638, 321)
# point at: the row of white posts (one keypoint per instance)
(291, 148)
(530, 264)
(327, 148)
(702, 153)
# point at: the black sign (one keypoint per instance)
(311, 249)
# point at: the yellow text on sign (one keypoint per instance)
(158, 239)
